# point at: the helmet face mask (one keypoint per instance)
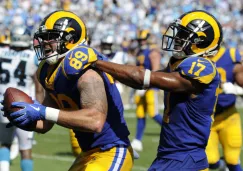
(107, 45)
(176, 38)
(106, 48)
(47, 44)
(58, 33)
(195, 33)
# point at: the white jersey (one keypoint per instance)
(120, 58)
(17, 69)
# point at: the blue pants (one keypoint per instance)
(162, 164)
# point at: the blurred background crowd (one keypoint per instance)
(119, 21)
(124, 18)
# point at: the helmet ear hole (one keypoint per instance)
(68, 37)
(71, 37)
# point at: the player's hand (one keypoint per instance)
(229, 88)
(29, 114)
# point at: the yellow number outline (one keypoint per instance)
(80, 57)
(75, 63)
(196, 73)
(60, 98)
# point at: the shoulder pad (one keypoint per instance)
(75, 60)
(201, 69)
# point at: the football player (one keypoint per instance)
(77, 97)
(148, 57)
(226, 128)
(4, 38)
(191, 84)
(17, 69)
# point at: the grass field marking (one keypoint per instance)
(140, 168)
(51, 140)
(59, 132)
(49, 157)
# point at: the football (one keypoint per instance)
(14, 95)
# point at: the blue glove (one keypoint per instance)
(29, 114)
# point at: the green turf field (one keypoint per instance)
(53, 152)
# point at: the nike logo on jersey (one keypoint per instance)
(36, 108)
(201, 61)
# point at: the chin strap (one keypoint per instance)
(55, 56)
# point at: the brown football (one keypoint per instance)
(14, 95)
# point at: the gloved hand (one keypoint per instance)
(230, 88)
(29, 114)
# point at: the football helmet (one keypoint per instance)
(143, 35)
(195, 33)
(107, 45)
(5, 38)
(20, 37)
(57, 34)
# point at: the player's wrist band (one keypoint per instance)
(51, 114)
(146, 79)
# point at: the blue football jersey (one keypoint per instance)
(60, 81)
(143, 59)
(188, 117)
(225, 61)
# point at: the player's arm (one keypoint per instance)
(44, 126)
(39, 90)
(238, 74)
(229, 87)
(92, 116)
(155, 57)
(135, 77)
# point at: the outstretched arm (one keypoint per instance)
(92, 116)
(238, 74)
(133, 76)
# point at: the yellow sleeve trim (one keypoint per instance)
(208, 78)
(232, 54)
(218, 55)
(49, 83)
(110, 78)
